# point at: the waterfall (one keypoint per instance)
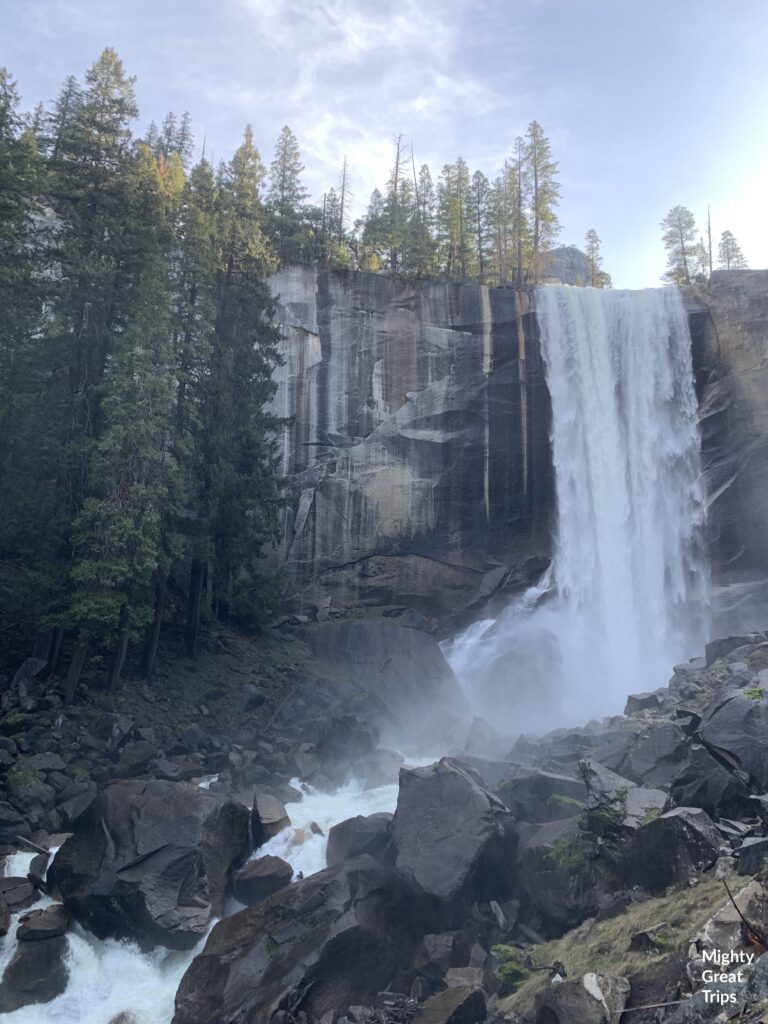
(625, 597)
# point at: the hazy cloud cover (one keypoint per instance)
(647, 105)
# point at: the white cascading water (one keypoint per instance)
(111, 980)
(625, 597)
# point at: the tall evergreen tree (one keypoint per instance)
(729, 254)
(679, 237)
(286, 199)
(544, 196)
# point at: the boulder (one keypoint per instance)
(260, 878)
(671, 850)
(369, 834)
(12, 823)
(134, 759)
(460, 1004)
(27, 788)
(561, 884)
(538, 796)
(43, 924)
(639, 702)
(735, 724)
(268, 819)
(752, 854)
(719, 648)
(453, 838)
(18, 892)
(592, 999)
(658, 756)
(704, 782)
(36, 974)
(332, 940)
(149, 861)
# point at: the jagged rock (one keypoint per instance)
(724, 929)
(27, 788)
(558, 880)
(260, 878)
(12, 823)
(5, 917)
(704, 782)
(638, 702)
(337, 936)
(651, 939)
(70, 810)
(149, 861)
(369, 834)
(18, 892)
(268, 819)
(671, 849)
(134, 759)
(43, 924)
(658, 757)
(36, 974)
(453, 837)
(37, 870)
(538, 796)
(593, 999)
(752, 854)
(603, 785)
(719, 648)
(735, 725)
(462, 1004)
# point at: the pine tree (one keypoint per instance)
(425, 248)
(729, 254)
(239, 492)
(679, 238)
(598, 278)
(544, 196)
(286, 199)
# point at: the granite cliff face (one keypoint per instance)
(419, 450)
(731, 362)
(419, 457)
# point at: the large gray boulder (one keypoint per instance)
(453, 837)
(149, 861)
(704, 782)
(735, 724)
(671, 850)
(538, 796)
(37, 973)
(591, 999)
(352, 838)
(333, 940)
(560, 883)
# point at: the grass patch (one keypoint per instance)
(754, 693)
(603, 947)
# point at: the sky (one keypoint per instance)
(647, 103)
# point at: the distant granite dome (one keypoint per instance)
(566, 265)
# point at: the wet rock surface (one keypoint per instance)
(149, 861)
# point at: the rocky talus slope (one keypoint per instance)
(580, 876)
